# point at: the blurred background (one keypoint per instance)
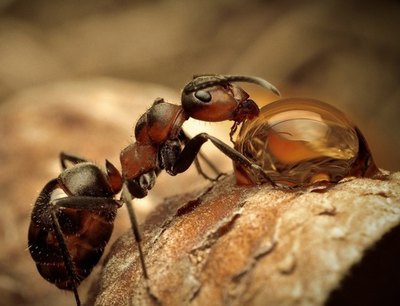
(76, 75)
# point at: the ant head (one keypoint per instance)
(215, 98)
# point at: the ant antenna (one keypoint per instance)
(252, 79)
(208, 80)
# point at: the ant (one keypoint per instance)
(68, 234)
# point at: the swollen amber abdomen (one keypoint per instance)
(299, 142)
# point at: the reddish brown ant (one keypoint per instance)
(67, 235)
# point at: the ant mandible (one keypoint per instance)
(68, 234)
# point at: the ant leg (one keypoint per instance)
(239, 158)
(87, 203)
(210, 164)
(94, 204)
(66, 157)
(41, 213)
(127, 199)
(189, 152)
(202, 173)
(69, 265)
(185, 139)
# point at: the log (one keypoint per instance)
(232, 245)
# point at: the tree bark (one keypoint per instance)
(232, 245)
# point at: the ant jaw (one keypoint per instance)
(233, 131)
(248, 109)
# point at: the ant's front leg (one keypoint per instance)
(177, 161)
(185, 139)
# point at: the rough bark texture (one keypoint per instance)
(229, 245)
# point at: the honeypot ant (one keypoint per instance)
(67, 235)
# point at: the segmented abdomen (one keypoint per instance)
(86, 233)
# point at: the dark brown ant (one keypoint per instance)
(67, 235)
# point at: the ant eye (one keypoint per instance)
(299, 142)
(203, 95)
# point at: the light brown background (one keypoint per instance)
(346, 53)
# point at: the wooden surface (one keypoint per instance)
(229, 245)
